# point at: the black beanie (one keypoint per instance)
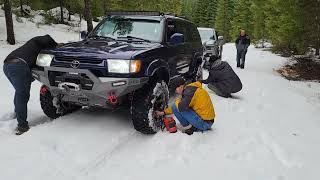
(178, 81)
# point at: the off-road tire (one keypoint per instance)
(50, 110)
(143, 106)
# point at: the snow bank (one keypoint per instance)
(56, 12)
(263, 44)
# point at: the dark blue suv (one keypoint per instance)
(128, 60)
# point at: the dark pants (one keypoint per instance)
(19, 75)
(218, 91)
(241, 58)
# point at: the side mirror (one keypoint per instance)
(176, 38)
(220, 40)
(83, 34)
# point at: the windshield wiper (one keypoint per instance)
(134, 38)
(102, 37)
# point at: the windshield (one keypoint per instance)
(206, 34)
(119, 27)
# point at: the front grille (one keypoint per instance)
(55, 78)
(85, 60)
(209, 47)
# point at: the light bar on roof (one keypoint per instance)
(144, 13)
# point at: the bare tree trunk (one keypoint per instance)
(9, 22)
(61, 12)
(69, 13)
(88, 15)
(21, 8)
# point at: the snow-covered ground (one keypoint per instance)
(269, 131)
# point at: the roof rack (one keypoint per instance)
(143, 13)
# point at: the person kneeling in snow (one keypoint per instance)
(222, 79)
(194, 110)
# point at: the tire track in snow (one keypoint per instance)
(278, 152)
(106, 155)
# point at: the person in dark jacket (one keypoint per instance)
(194, 110)
(242, 44)
(222, 79)
(17, 68)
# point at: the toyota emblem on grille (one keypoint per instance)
(75, 64)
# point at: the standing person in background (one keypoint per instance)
(242, 44)
(17, 67)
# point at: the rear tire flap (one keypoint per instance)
(49, 106)
(144, 103)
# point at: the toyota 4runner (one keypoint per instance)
(128, 60)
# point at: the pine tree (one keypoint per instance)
(224, 18)
(311, 9)
(97, 8)
(285, 25)
(211, 13)
(259, 26)
(205, 12)
(242, 18)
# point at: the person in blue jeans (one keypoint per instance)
(17, 68)
(194, 110)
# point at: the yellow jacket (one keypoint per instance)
(196, 98)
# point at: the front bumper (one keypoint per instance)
(82, 87)
(211, 51)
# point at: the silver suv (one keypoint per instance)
(212, 43)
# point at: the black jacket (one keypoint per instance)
(30, 50)
(242, 43)
(222, 76)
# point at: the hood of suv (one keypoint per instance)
(100, 49)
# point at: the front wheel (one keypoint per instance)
(52, 106)
(154, 96)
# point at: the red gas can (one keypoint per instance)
(170, 124)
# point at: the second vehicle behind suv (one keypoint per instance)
(128, 60)
(212, 44)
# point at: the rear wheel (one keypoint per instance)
(52, 106)
(152, 97)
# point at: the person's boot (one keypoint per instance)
(20, 130)
(191, 130)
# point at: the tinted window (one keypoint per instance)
(176, 26)
(194, 34)
(118, 26)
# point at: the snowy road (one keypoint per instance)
(269, 131)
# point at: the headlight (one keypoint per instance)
(44, 60)
(123, 66)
